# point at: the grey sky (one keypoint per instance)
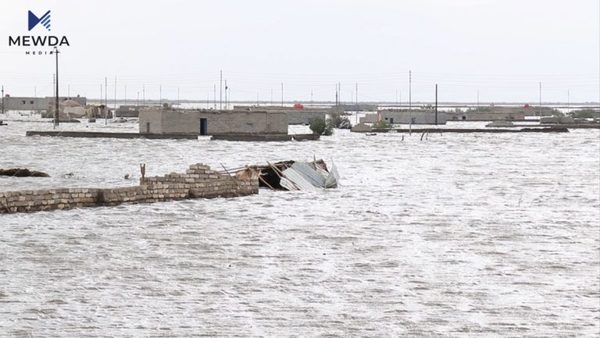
(502, 48)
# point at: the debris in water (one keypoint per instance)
(21, 172)
(293, 175)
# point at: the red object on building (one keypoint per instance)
(298, 106)
(526, 105)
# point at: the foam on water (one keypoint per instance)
(459, 234)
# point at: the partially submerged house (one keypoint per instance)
(127, 111)
(39, 104)
(500, 113)
(416, 116)
(212, 122)
(295, 115)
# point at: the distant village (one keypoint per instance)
(271, 122)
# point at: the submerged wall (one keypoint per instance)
(199, 181)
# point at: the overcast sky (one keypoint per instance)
(502, 48)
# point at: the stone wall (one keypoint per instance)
(199, 181)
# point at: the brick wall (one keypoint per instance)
(199, 181)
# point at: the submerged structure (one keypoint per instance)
(295, 115)
(38, 104)
(416, 116)
(199, 181)
(294, 175)
(212, 122)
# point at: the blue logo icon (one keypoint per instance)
(44, 20)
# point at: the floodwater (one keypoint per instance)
(455, 235)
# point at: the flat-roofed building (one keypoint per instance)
(212, 122)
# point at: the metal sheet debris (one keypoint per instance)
(295, 175)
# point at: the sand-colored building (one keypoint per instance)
(212, 122)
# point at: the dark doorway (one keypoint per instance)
(391, 120)
(203, 127)
(148, 127)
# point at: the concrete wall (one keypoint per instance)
(150, 122)
(179, 121)
(417, 116)
(199, 181)
(218, 122)
(369, 118)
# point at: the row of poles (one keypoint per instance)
(337, 94)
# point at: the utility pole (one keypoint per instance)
(160, 95)
(143, 95)
(336, 94)
(356, 101)
(215, 95)
(106, 91)
(56, 97)
(2, 99)
(105, 100)
(125, 96)
(221, 90)
(115, 95)
(137, 100)
(436, 104)
(410, 102)
(69, 91)
(226, 105)
(540, 99)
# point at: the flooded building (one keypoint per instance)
(500, 113)
(296, 115)
(418, 116)
(212, 122)
(39, 104)
(127, 111)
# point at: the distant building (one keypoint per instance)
(127, 111)
(212, 122)
(295, 115)
(357, 107)
(369, 118)
(38, 104)
(417, 116)
(500, 113)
